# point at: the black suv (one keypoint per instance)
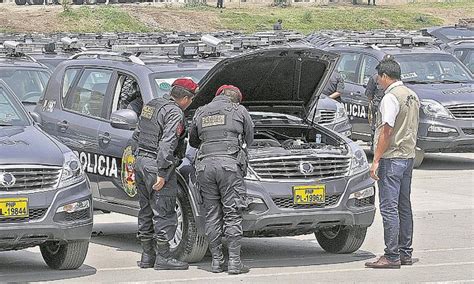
(444, 85)
(292, 160)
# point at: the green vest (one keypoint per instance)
(403, 139)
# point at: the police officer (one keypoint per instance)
(222, 130)
(159, 135)
(334, 87)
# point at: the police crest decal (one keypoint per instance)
(128, 172)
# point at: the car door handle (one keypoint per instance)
(62, 126)
(105, 138)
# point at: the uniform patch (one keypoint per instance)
(180, 129)
(147, 112)
(128, 172)
(213, 120)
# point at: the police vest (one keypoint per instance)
(219, 129)
(150, 128)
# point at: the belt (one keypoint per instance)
(148, 154)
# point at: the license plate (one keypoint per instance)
(309, 194)
(13, 207)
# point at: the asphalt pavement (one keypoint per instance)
(442, 200)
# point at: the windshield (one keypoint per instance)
(11, 113)
(456, 33)
(27, 84)
(163, 80)
(432, 68)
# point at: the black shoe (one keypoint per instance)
(237, 267)
(170, 263)
(148, 257)
(408, 260)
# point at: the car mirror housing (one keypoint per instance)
(36, 117)
(124, 119)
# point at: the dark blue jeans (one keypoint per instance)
(395, 206)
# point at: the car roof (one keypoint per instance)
(379, 52)
(20, 62)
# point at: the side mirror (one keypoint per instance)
(36, 117)
(124, 119)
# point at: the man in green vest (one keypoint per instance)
(395, 141)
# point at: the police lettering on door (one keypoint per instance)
(355, 110)
(98, 164)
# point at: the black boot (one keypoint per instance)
(148, 255)
(235, 264)
(164, 259)
(217, 264)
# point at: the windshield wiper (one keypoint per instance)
(5, 124)
(416, 82)
(448, 81)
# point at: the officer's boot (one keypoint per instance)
(217, 264)
(164, 259)
(235, 264)
(148, 255)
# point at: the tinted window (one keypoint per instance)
(347, 67)
(163, 81)
(88, 95)
(10, 111)
(68, 79)
(467, 57)
(28, 85)
(427, 68)
(453, 33)
(367, 69)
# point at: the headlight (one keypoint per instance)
(363, 193)
(72, 172)
(435, 109)
(359, 162)
(340, 112)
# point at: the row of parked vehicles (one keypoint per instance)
(71, 153)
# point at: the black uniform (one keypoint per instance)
(159, 137)
(374, 94)
(335, 84)
(222, 130)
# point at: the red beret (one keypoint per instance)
(187, 84)
(230, 87)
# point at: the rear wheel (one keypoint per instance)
(187, 244)
(78, 2)
(20, 2)
(341, 239)
(38, 2)
(65, 256)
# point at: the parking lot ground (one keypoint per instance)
(443, 204)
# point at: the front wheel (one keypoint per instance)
(187, 244)
(341, 239)
(70, 255)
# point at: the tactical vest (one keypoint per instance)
(403, 140)
(150, 128)
(219, 128)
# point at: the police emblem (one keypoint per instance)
(147, 112)
(128, 172)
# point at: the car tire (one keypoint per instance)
(38, 2)
(341, 239)
(20, 2)
(419, 156)
(191, 247)
(66, 256)
(78, 2)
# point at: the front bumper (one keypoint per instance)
(44, 224)
(433, 135)
(273, 218)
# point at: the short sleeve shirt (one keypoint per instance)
(389, 106)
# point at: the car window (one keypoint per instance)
(68, 79)
(467, 57)
(10, 111)
(426, 68)
(162, 81)
(127, 94)
(88, 95)
(28, 85)
(347, 67)
(367, 69)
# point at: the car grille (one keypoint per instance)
(462, 111)
(74, 216)
(365, 201)
(35, 214)
(287, 202)
(468, 131)
(31, 178)
(291, 167)
(327, 116)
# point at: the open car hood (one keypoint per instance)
(284, 79)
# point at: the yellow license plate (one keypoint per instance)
(309, 194)
(13, 207)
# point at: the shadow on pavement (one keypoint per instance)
(256, 252)
(32, 268)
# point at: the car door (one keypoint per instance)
(348, 67)
(83, 112)
(114, 144)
